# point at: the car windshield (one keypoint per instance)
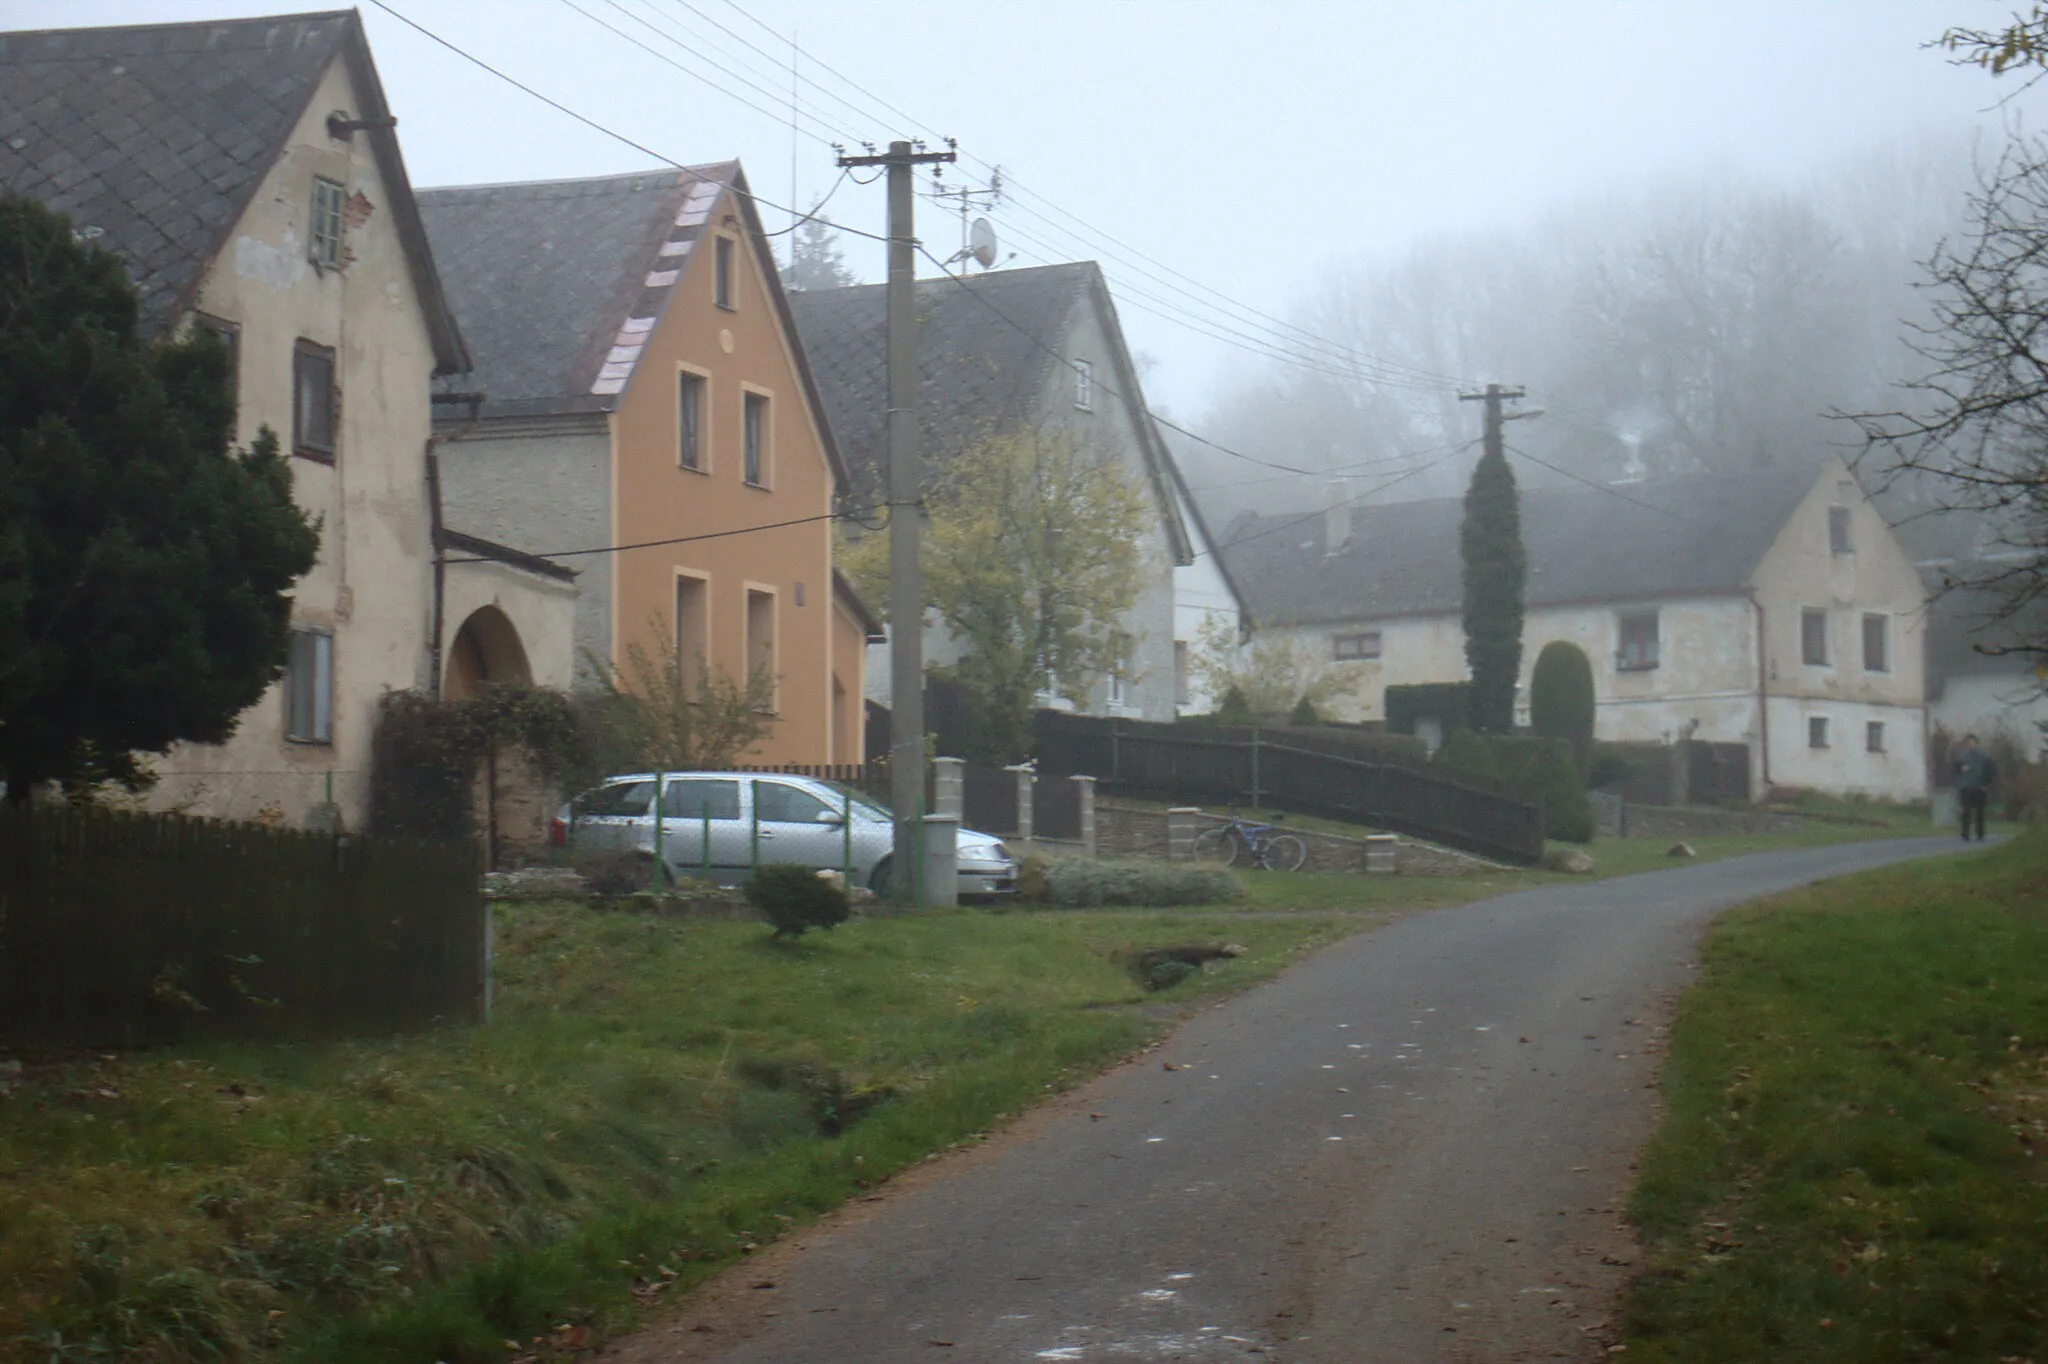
(862, 800)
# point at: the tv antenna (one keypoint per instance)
(977, 234)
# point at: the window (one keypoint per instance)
(1838, 530)
(309, 688)
(620, 800)
(323, 234)
(1365, 645)
(1084, 385)
(755, 460)
(1873, 736)
(1639, 650)
(777, 802)
(1816, 731)
(1119, 689)
(1182, 695)
(696, 797)
(1813, 637)
(690, 420)
(761, 634)
(721, 277)
(693, 630)
(1877, 643)
(313, 401)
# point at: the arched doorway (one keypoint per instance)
(510, 800)
(486, 649)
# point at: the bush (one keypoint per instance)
(794, 898)
(1448, 702)
(1610, 767)
(1234, 709)
(1032, 886)
(1304, 712)
(1535, 769)
(1561, 698)
(614, 872)
(1084, 883)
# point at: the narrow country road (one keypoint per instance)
(1412, 1147)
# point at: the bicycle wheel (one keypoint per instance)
(1283, 852)
(1216, 847)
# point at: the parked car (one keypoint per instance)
(763, 817)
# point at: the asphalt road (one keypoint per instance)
(1412, 1147)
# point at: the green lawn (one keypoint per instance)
(654, 1097)
(1855, 1163)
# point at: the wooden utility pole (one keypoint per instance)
(906, 512)
(1495, 567)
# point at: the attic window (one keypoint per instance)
(721, 280)
(1838, 530)
(324, 231)
(1084, 385)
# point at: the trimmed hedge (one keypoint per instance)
(1538, 769)
(1450, 702)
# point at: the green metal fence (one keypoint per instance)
(120, 929)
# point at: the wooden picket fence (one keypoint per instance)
(125, 929)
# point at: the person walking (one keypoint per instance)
(1975, 773)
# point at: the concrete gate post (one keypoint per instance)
(1085, 791)
(1183, 822)
(1027, 781)
(941, 861)
(949, 787)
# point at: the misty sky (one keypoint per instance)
(1244, 145)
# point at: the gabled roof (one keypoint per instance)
(560, 283)
(987, 346)
(153, 138)
(1639, 542)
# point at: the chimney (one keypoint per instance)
(1336, 515)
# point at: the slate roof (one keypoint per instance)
(153, 138)
(976, 372)
(1641, 542)
(550, 277)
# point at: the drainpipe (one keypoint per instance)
(440, 567)
(1763, 694)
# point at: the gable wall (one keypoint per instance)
(372, 584)
(736, 352)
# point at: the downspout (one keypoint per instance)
(440, 567)
(1763, 695)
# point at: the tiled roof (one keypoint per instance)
(976, 371)
(1640, 542)
(559, 283)
(152, 138)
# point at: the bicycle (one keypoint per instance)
(1261, 845)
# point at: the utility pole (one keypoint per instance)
(1495, 569)
(1493, 395)
(906, 511)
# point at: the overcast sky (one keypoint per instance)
(1242, 145)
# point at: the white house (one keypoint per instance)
(1207, 608)
(1773, 609)
(248, 173)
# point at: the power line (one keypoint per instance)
(592, 123)
(1607, 488)
(674, 539)
(1347, 502)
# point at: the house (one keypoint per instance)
(1008, 352)
(249, 174)
(639, 409)
(1774, 610)
(1974, 685)
(1208, 610)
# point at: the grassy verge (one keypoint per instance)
(1855, 1162)
(655, 1098)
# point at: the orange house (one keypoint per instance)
(640, 410)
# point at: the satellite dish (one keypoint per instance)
(981, 242)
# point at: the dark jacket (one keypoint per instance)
(1974, 770)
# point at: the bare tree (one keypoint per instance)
(1972, 436)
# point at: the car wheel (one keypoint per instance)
(878, 880)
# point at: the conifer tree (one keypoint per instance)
(1495, 567)
(1561, 701)
(145, 565)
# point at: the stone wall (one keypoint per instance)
(1614, 818)
(1130, 831)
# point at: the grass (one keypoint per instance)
(1855, 1162)
(654, 1098)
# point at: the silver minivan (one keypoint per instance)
(723, 824)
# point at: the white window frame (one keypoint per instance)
(763, 448)
(1084, 385)
(1827, 643)
(1873, 736)
(1884, 637)
(702, 381)
(725, 272)
(1362, 646)
(1637, 660)
(325, 222)
(1817, 735)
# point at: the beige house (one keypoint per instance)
(249, 173)
(1775, 610)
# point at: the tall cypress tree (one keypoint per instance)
(1495, 567)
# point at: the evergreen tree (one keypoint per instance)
(815, 261)
(1495, 567)
(1561, 698)
(145, 566)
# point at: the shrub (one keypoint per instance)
(1561, 698)
(1234, 709)
(794, 898)
(1304, 712)
(1447, 702)
(1032, 886)
(1609, 767)
(613, 871)
(1084, 882)
(1535, 769)
(1470, 755)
